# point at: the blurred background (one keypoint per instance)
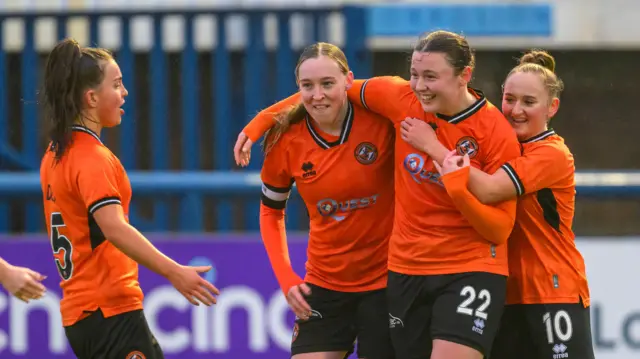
(197, 71)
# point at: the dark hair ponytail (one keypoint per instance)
(70, 70)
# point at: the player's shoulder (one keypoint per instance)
(88, 155)
(364, 117)
(293, 133)
(286, 140)
(548, 143)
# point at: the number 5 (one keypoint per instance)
(470, 293)
(62, 248)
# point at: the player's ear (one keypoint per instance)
(349, 82)
(465, 76)
(91, 98)
(553, 107)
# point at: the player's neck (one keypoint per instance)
(461, 104)
(334, 126)
(91, 125)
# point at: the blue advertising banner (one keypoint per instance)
(251, 319)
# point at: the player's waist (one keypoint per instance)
(74, 307)
(424, 255)
(357, 236)
(348, 280)
(532, 264)
(421, 267)
(430, 234)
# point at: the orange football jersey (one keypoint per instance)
(545, 265)
(346, 183)
(95, 274)
(430, 236)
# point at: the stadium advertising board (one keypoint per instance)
(252, 319)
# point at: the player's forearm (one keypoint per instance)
(437, 151)
(274, 237)
(265, 119)
(494, 223)
(133, 244)
(481, 185)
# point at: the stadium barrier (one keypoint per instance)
(259, 88)
(252, 319)
(228, 70)
(190, 187)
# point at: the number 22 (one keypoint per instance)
(470, 293)
(62, 248)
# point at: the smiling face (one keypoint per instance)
(527, 104)
(323, 85)
(435, 83)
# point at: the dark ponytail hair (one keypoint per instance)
(297, 113)
(70, 71)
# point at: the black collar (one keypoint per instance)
(539, 137)
(469, 111)
(79, 128)
(344, 134)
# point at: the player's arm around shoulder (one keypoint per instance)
(498, 145)
(387, 96)
(542, 165)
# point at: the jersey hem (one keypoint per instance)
(552, 300)
(378, 284)
(106, 311)
(500, 269)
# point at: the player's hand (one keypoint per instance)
(418, 134)
(24, 283)
(452, 162)
(296, 300)
(242, 150)
(191, 285)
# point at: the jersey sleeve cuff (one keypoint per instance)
(103, 202)
(513, 175)
(275, 197)
(362, 99)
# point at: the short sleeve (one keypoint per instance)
(385, 95)
(98, 177)
(538, 168)
(276, 177)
